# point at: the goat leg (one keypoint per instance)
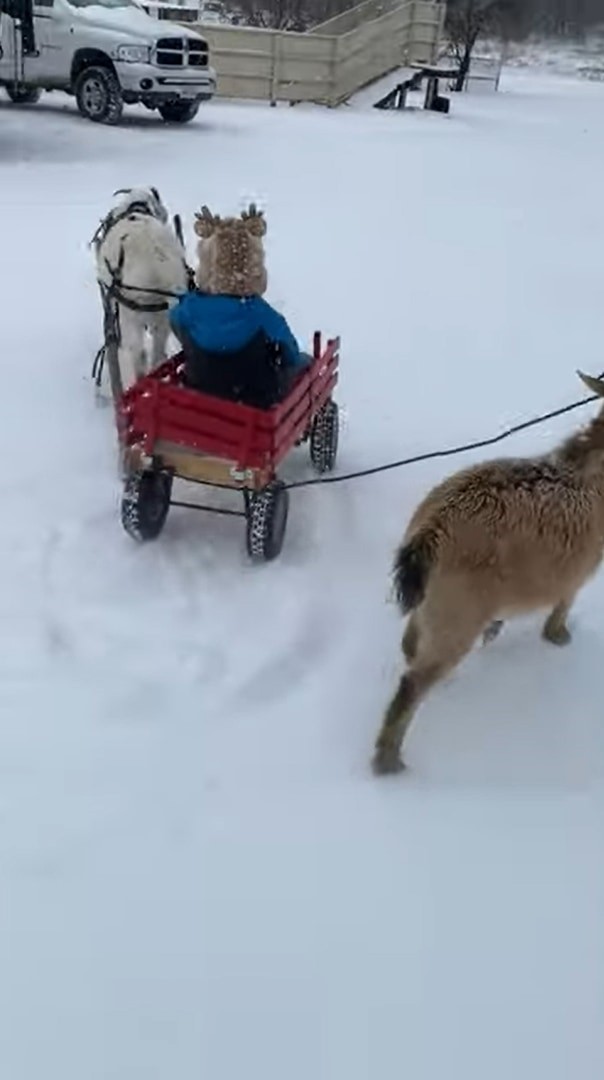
(444, 640)
(132, 358)
(412, 687)
(159, 329)
(411, 638)
(387, 757)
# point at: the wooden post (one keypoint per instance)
(333, 90)
(431, 91)
(275, 57)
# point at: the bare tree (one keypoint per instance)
(277, 14)
(466, 21)
(555, 18)
(297, 15)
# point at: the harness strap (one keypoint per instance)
(181, 238)
(134, 305)
(115, 216)
(111, 333)
(115, 289)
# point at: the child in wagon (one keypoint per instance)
(235, 344)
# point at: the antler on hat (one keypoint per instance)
(254, 220)
(206, 223)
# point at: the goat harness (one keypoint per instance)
(115, 290)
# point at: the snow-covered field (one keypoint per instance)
(583, 57)
(199, 877)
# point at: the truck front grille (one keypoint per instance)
(180, 52)
(198, 54)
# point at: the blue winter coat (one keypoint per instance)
(228, 323)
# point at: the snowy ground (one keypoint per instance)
(199, 875)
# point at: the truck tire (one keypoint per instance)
(99, 96)
(178, 112)
(23, 95)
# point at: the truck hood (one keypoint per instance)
(136, 26)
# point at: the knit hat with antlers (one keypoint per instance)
(231, 253)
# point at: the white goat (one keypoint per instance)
(141, 270)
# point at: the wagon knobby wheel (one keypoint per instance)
(145, 503)
(266, 515)
(324, 437)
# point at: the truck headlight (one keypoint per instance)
(133, 54)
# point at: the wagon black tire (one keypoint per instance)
(267, 513)
(145, 504)
(99, 96)
(23, 95)
(324, 437)
(178, 112)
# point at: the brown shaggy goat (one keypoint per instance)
(495, 540)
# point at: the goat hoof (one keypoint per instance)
(492, 631)
(560, 635)
(387, 763)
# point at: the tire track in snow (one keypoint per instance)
(302, 649)
(188, 608)
(127, 607)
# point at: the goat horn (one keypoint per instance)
(595, 385)
(122, 191)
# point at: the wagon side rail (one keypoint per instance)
(159, 410)
(294, 415)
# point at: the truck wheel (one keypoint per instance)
(99, 96)
(178, 112)
(23, 95)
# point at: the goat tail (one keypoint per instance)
(412, 565)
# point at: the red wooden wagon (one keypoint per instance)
(167, 430)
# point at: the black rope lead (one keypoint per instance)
(432, 454)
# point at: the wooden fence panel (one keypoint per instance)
(331, 63)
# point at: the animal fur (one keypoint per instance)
(493, 541)
(137, 246)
